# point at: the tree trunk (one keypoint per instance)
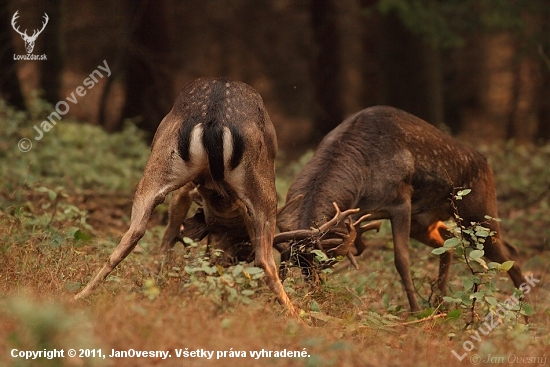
(149, 90)
(352, 83)
(9, 83)
(524, 118)
(328, 110)
(544, 100)
(51, 69)
(412, 72)
(488, 82)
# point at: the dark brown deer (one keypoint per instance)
(393, 165)
(218, 138)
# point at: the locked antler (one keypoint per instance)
(332, 237)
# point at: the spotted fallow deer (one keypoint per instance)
(218, 138)
(393, 165)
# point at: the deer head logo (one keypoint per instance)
(29, 40)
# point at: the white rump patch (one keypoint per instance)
(197, 153)
(227, 147)
(237, 176)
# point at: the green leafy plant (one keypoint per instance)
(224, 286)
(55, 210)
(75, 155)
(479, 286)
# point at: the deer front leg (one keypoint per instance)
(144, 203)
(434, 235)
(151, 191)
(400, 224)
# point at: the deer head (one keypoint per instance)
(337, 237)
(29, 40)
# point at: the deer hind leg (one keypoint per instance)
(151, 191)
(179, 206)
(401, 224)
(496, 250)
(434, 234)
(479, 203)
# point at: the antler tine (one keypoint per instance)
(362, 219)
(340, 245)
(44, 23)
(302, 234)
(299, 234)
(366, 227)
(46, 19)
(338, 217)
(369, 227)
(15, 26)
(352, 260)
(331, 243)
(35, 33)
(14, 18)
(359, 245)
(345, 242)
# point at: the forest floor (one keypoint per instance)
(65, 204)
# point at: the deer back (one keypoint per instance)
(375, 158)
(221, 126)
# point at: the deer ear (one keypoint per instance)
(285, 213)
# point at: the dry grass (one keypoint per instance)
(346, 322)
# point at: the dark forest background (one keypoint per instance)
(480, 69)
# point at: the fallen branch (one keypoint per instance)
(428, 318)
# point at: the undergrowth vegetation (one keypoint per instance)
(66, 203)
